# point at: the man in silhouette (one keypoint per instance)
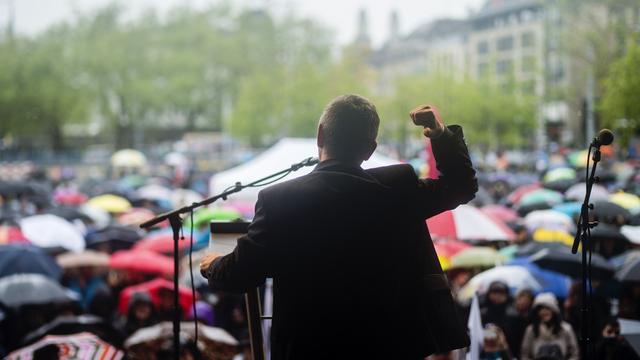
(355, 274)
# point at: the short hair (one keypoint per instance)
(350, 124)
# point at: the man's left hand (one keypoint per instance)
(206, 261)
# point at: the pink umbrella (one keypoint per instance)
(500, 212)
(518, 193)
(449, 248)
(12, 234)
(468, 223)
(141, 261)
(66, 196)
(161, 243)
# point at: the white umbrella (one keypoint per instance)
(630, 329)
(467, 222)
(576, 192)
(549, 220)
(632, 233)
(516, 277)
(100, 217)
(184, 197)
(49, 231)
(154, 192)
(128, 158)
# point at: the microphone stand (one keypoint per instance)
(176, 224)
(584, 235)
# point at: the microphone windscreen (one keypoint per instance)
(605, 137)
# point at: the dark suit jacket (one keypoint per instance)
(355, 272)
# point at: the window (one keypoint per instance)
(503, 66)
(483, 69)
(505, 43)
(528, 64)
(528, 39)
(483, 47)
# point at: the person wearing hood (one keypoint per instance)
(548, 337)
(141, 313)
(494, 308)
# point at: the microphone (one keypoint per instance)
(605, 137)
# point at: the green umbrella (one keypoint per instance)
(541, 196)
(206, 215)
(477, 256)
(559, 174)
(509, 252)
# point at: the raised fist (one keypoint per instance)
(428, 117)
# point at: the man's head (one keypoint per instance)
(348, 129)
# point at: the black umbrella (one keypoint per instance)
(610, 213)
(630, 271)
(523, 210)
(69, 213)
(67, 325)
(608, 241)
(31, 289)
(560, 185)
(27, 259)
(115, 237)
(533, 247)
(564, 262)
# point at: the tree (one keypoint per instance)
(620, 105)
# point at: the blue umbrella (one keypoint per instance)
(571, 208)
(27, 259)
(551, 281)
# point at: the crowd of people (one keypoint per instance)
(115, 282)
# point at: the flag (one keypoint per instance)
(474, 324)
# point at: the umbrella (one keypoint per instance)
(610, 213)
(111, 203)
(577, 192)
(215, 342)
(154, 192)
(630, 329)
(468, 223)
(141, 261)
(477, 256)
(114, 237)
(540, 196)
(517, 194)
(204, 216)
(501, 212)
(449, 248)
(76, 346)
(619, 261)
(100, 218)
(12, 234)
(549, 220)
(27, 259)
(87, 258)
(628, 201)
(570, 264)
(523, 210)
(516, 277)
(551, 281)
(153, 288)
(31, 289)
(559, 174)
(69, 196)
(135, 216)
(630, 271)
(184, 197)
(578, 158)
(533, 247)
(133, 181)
(50, 231)
(161, 243)
(509, 252)
(571, 208)
(558, 236)
(69, 325)
(128, 158)
(632, 233)
(482, 198)
(69, 213)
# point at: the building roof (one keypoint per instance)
(494, 8)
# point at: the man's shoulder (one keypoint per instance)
(394, 174)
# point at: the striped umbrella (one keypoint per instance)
(468, 223)
(83, 345)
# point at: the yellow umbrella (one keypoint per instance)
(544, 235)
(626, 200)
(110, 203)
(128, 158)
(444, 262)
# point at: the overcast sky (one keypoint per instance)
(33, 16)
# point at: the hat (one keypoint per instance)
(547, 300)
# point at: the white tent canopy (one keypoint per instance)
(280, 156)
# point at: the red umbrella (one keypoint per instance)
(518, 193)
(500, 212)
(12, 234)
(69, 197)
(468, 223)
(153, 288)
(161, 243)
(449, 248)
(142, 261)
